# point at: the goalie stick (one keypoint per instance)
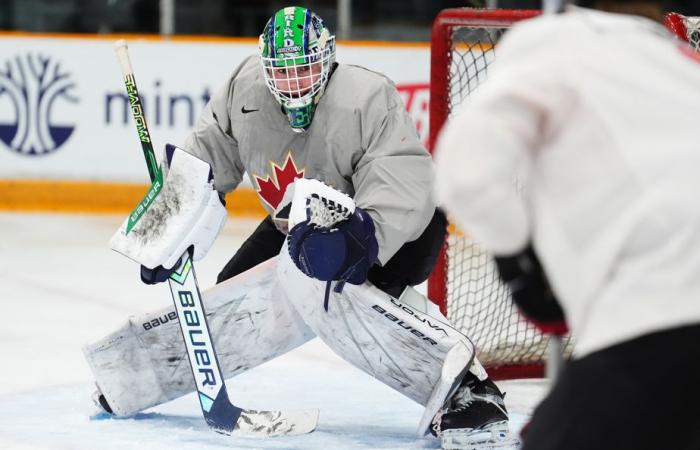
(219, 413)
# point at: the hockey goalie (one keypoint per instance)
(352, 226)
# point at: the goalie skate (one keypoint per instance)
(475, 418)
(494, 436)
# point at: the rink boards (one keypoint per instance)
(66, 132)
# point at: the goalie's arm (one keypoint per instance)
(213, 141)
(393, 180)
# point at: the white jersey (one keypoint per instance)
(597, 115)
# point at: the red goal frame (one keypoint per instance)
(441, 62)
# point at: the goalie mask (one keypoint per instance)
(297, 52)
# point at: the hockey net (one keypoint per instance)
(686, 28)
(464, 283)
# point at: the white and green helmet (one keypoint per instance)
(297, 52)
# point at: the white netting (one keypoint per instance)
(692, 26)
(684, 27)
(477, 302)
(326, 213)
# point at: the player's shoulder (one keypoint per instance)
(541, 30)
(247, 80)
(360, 85)
(360, 74)
(249, 68)
(574, 33)
(577, 24)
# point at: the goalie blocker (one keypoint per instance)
(187, 214)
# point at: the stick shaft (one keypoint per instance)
(132, 92)
(218, 411)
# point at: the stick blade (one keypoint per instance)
(226, 418)
(276, 423)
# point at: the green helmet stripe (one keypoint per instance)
(289, 36)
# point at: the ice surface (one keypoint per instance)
(63, 287)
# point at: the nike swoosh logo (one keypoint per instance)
(246, 111)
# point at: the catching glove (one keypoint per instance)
(344, 252)
(330, 239)
(187, 213)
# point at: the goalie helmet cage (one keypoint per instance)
(464, 282)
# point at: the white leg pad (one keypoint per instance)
(412, 352)
(453, 370)
(144, 363)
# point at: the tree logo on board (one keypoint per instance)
(39, 92)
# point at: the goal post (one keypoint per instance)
(464, 283)
(685, 27)
(448, 33)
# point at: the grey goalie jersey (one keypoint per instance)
(361, 141)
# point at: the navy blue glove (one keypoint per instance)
(156, 275)
(344, 252)
(160, 274)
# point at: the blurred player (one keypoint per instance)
(292, 112)
(595, 114)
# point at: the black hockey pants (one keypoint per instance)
(639, 395)
(411, 264)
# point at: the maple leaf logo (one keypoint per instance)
(271, 189)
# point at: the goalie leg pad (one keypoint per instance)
(144, 363)
(412, 352)
(186, 212)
